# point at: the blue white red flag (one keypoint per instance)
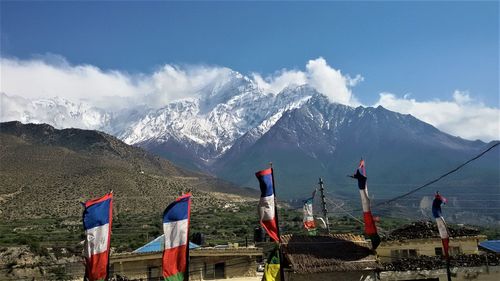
(176, 228)
(97, 218)
(308, 219)
(441, 224)
(267, 210)
(370, 227)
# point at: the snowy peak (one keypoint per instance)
(59, 112)
(214, 121)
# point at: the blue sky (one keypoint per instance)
(428, 51)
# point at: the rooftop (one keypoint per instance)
(157, 246)
(428, 229)
(333, 253)
(491, 245)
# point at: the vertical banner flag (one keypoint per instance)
(370, 227)
(272, 268)
(441, 224)
(176, 230)
(267, 210)
(97, 218)
(308, 213)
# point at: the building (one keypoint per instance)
(422, 239)
(490, 246)
(206, 263)
(414, 252)
(334, 257)
(424, 268)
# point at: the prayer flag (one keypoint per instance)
(267, 209)
(97, 218)
(370, 227)
(441, 224)
(308, 220)
(176, 229)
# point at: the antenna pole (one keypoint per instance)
(323, 204)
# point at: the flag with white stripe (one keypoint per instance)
(307, 209)
(176, 230)
(441, 224)
(97, 218)
(370, 227)
(267, 210)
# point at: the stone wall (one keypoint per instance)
(344, 276)
(484, 273)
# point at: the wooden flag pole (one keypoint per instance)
(323, 205)
(282, 271)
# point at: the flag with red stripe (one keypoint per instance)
(370, 227)
(267, 210)
(308, 220)
(97, 218)
(441, 224)
(176, 229)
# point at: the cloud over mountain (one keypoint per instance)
(52, 76)
(462, 116)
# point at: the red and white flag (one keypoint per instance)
(441, 224)
(176, 228)
(267, 210)
(97, 218)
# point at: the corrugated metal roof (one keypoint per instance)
(156, 246)
(492, 245)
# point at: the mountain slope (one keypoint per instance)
(324, 139)
(71, 165)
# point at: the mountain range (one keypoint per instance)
(233, 128)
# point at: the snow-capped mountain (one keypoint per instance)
(210, 124)
(233, 128)
(58, 112)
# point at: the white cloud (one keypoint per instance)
(462, 116)
(318, 74)
(280, 80)
(172, 82)
(38, 79)
(331, 82)
(51, 75)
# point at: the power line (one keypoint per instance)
(437, 179)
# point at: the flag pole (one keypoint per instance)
(323, 204)
(282, 271)
(109, 249)
(187, 249)
(448, 271)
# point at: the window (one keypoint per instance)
(214, 271)
(455, 251)
(394, 254)
(219, 270)
(404, 253)
(412, 253)
(438, 251)
(154, 273)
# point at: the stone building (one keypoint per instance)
(414, 252)
(422, 239)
